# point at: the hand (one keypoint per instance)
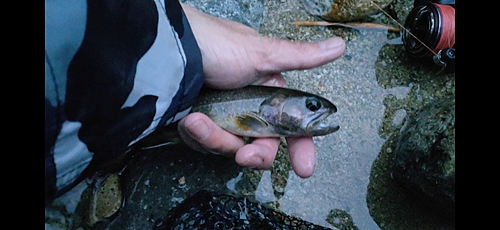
(234, 56)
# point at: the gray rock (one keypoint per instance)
(248, 12)
(424, 159)
(343, 10)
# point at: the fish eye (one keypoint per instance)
(313, 104)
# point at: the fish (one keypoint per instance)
(268, 111)
(257, 111)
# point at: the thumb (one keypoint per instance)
(283, 55)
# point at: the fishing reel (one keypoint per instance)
(430, 31)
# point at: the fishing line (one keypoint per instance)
(401, 26)
(429, 30)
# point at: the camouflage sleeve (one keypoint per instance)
(114, 71)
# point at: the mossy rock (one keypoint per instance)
(424, 159)
(343, 10)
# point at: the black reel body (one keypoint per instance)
(425, 22)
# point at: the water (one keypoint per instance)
(376, 87)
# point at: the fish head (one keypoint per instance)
(300, 115)
(318, 119)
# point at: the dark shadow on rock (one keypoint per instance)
(393, 207)
(158, 179)
(424, 160)
(211, 210)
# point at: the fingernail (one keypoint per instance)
(331, 43)
(198, 130)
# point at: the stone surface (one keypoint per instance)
(105, 199)
(344, 10)
(248, 12)
(159, 179)
(425, 153)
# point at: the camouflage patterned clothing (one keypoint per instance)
(114, 72)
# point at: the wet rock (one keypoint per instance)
(158, 179)
(424, 158)
(209, 210)
(105, 200)
(341, 220)
(343, 10)
(62, 212)
(248, 12)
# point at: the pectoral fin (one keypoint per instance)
(250, 121)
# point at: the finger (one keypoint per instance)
(302, 155)
(259, 154)
(201, 133)
(284, 55)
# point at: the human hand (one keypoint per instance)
(234, 56)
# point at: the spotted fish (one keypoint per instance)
(258, 111)
(265, 111)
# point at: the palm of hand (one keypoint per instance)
(234, 56)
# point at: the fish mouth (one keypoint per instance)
(322, 124)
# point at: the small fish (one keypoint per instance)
(265, 111)
(257, 111)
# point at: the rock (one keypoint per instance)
(343, 10)
(424, 158)
(248, 12)
(62, 212)
(341, 220)
(106, 199)
(210, 210)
